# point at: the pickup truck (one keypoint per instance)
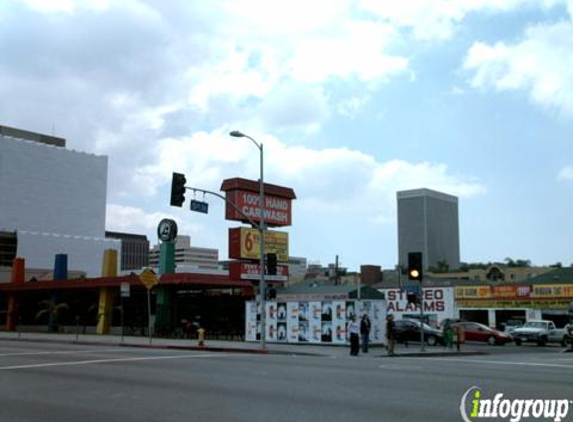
(540, 332)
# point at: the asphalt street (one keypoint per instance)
(82, 383)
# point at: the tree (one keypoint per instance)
(53, 311)
(509, 262)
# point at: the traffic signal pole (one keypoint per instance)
(422, 349)
(415, 273)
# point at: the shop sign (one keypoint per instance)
(436, 300)
(552, 290)
(244, 244)
(243, 271)
(472, 292)
(511, 292)
(514, 304)
(277, 210)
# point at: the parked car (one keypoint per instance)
(408, 330)
(540, 332)
(510, 325)
(474, 331)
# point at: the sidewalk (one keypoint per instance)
(232, 346)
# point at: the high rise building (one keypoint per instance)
(428, 223)
(134, 250)
(52, 201)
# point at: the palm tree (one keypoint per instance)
(53, 311)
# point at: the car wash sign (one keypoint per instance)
(438, 301)
(243, 202)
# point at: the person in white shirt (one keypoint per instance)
(354, 331)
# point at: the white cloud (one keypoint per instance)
(438, 19)
(541, 64)
(566, 174)
(351, 107)
(326, 178)
(51, 6)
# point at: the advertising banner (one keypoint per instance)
(292, 322)
(271, 322)
(244, 244)
(339, 323)
(281, 322)
(251, 322)
(314, 322)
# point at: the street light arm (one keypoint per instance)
(231, 203)
(239, 134)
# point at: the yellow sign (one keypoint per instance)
(472, 292)
(148, 278)
(275, 242)
(546, 291)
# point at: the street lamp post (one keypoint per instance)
(262, 285)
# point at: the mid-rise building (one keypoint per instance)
(428, 223)
(134, 250)
(187, 256)
(52, 201)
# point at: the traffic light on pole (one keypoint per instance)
(272, 264)
(178, 189)
(415, 266)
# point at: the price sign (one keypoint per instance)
(244, 244)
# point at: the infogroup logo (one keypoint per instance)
(515, 410)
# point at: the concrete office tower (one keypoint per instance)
(428, 223)
(53, 200)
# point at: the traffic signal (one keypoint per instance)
(272, 264)
(415, 266)
(178, 189)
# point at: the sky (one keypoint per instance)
(353, 101)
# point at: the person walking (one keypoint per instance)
(353, 330)
(365, 332)
(390, 334)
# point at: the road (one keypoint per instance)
(74, 383)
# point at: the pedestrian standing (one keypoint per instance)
(353, 330)
(390, 334)
(365, 332)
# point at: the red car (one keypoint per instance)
(474, 331)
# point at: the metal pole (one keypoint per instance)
(122, 325)
(262, 286)
(149, 314)
(261, 227)
(422, 316)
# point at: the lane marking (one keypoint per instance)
(60, 352)
(497, 362)
(96, 361)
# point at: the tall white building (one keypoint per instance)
(54, 200)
